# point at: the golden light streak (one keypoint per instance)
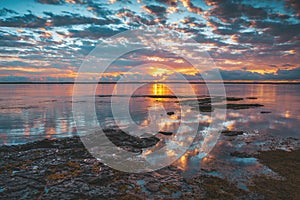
(188, 5)
(147, 9)
(179, 61)
(90, 8)
(263, 71)
(232, 62)
(172, 9)
(31, 69)
(231, 126)
(171, 153)
(188, 71)
(46, 35)
(292, 51)
(156, 58)
(50, 131)
(287, 114)
(71, 1)
(158, 89)
(48, 23)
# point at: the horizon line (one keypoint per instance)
(159, 82)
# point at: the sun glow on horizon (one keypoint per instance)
(159, 72)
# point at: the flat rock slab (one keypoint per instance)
(238, 106)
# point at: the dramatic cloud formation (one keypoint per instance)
(248, 40)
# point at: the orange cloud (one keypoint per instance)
(263, 71)
(156, 71)
(190, 7)
(156, 58)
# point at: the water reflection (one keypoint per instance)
(34, 112)
(30, 112)
(38, 110)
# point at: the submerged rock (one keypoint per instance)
(251, 98)
(265, 112)
(234, 98)
(209, 104)
(165, 133)
(131, 143)
(240, 154)
(206, 108)
(232, 133)
(170, 113)
(239, 106)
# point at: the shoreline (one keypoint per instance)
(63, 168)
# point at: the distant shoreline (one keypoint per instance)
(158, 82)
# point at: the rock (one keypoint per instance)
(102, 180)
(205, 105)
(205, 108)
(152, 186)
(240, 154)
(165, 133)
(265, 112)
(240, 106)
(170, 113)
(122, 139)
(232, 133)
(233, 99)
(63, 169)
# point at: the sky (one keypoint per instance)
(48, 40)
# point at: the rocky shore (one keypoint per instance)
(64, 169)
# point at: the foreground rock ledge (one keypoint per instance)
(63, 169)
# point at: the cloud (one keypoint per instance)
(294, 4)
(5, 11)
(133, 19)
(282, 30)
(95, 32)
(241, 36)
(57, 2)
(253, 38)
(227, 10)
(50, 20)
(191, 7)
(168, 2)
(26, 21)
(224, 31)
(287, 65)
(293, 74)
(156, 10)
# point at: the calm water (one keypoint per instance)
(33, 112)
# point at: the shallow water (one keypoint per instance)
(36, 111)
